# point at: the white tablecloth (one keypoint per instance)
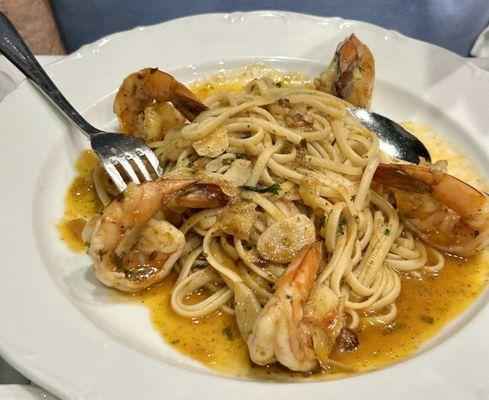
(9, 79)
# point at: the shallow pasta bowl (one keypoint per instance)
(62, 329)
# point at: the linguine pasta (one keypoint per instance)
(301, 167)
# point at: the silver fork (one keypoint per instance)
(113, 149)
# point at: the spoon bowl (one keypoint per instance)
(395, 140)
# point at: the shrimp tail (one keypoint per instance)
(350, 75)
(164, 87)
(198, 195)
(454, 193)
(169, 186)
(398, 176)
(186, 102)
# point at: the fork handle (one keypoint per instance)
(15, 49)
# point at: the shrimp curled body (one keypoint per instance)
(132, 246)
(444, 211)
(140, 103)
(300, 323)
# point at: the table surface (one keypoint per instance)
(10, 379)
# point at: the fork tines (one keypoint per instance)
(133, 166)
(126, 158)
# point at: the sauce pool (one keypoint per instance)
(425, 305)
(81, 202)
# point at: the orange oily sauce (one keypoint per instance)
(235, 80)
(426, 303)
(81, 202)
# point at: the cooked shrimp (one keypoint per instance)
(300, 323)
(350, 74)
(442, 210)
(137, 103)
(131, 247)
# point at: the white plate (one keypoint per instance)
(23, 392)
(59, 326)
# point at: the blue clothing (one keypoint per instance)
(453, 24)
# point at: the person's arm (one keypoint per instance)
(34, 20)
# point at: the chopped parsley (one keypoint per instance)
(341, 224)
(273, 189)
(201, 265)
(228, 331)
(427, 319)
(303, 143)
(322, 221)
(227, 161)
(279, 84)
(240, 156)
(387, 232)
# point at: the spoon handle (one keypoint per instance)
(15, 49)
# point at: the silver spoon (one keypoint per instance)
(395, 140)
